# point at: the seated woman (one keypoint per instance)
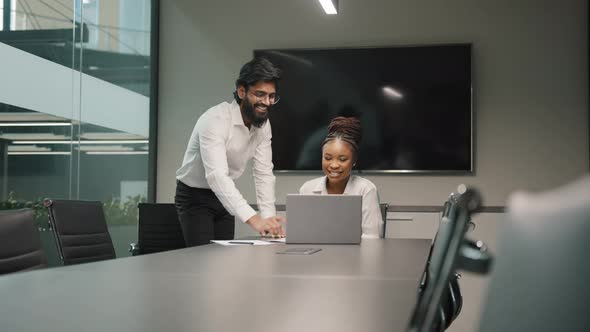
(339, 155)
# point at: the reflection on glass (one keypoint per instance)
(75, 124)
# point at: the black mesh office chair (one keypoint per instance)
(451, 299)
(20, 243)
(80, 231)
(440, 300)
(158, 230)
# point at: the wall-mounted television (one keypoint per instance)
(414, 103)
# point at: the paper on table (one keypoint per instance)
(276, 240)
(241, 242)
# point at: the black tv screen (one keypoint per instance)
(414, 103)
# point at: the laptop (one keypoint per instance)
(324, 219)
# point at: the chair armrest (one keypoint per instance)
(474, 257)
(134, 249)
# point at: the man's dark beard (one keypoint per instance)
(250, 112)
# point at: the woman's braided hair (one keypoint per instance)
(346, 129)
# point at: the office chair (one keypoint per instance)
(541, 279)
(80, 231)
(383, 208)
(440, 300)
(473, 256)
(158, 229)
(451, 299)
(20, 243)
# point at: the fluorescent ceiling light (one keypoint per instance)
(116, 152)
(27, 148)
(29, 116)
(109, 148)
(110, 136)
(33, 137)
(84, 142)
(329, 6)
(31, 153)
(34, 124)
(133, 141)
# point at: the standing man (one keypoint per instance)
(224, 139)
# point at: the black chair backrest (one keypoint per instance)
(383, 207)
(451, 299)
(431, 312)
(20, 243)
(80, 230)
(159, 228)
(446, 227)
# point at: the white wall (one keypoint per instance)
(530, 79)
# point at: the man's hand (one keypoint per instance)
(267, 226)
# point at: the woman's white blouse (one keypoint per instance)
(372, 223)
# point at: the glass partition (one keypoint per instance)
(75, 106)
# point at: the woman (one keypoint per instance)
(339, 156)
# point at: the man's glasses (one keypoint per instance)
(273, 98)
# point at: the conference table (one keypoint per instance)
(367, 287)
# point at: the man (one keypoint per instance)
(224, 139)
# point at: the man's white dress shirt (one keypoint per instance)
(217, 153)
(372, 221)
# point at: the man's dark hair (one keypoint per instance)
(257, 69)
